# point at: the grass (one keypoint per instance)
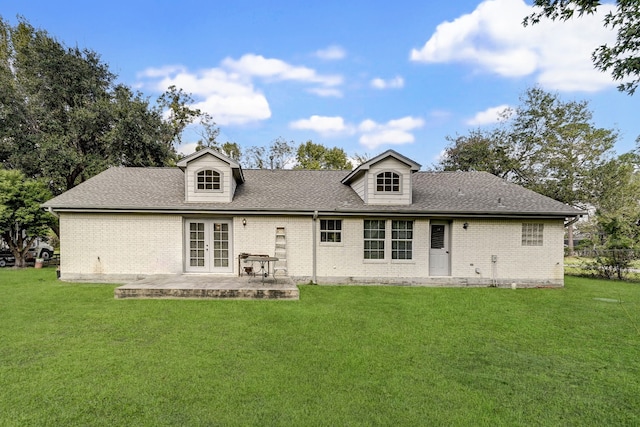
(70, 354)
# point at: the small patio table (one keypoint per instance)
(264, 272)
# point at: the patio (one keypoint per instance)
(208, 286)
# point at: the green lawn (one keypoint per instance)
(70, 354)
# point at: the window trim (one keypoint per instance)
(378, 239)
(213, 190)
(387, 242)
(392, 172)
(336, 231)
(405, 240)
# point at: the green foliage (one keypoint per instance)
(615, 230)
(22, 220)
(72, 355)
(316, 156)
(545, 144)
(64, 119)
(479, 151)
(621, 59)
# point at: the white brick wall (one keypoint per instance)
(107, 245)
(472, 249)
(96, 246)
(259, 237)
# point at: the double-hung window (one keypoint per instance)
(401, 239)
(374, 236)
(331, 230)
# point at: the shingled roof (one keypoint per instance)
(306, 191)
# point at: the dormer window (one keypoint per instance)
(388, 182)
(208, 180)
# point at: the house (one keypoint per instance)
(383, 222)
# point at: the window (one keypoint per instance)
(374, 239)
(207, 180)
(437, 236)
(388, 182)
(331, 230)
(532, 234)
(401, 239)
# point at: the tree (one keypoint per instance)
(317, 156)
(479, 151)
(545, 144)
(65, 119)
(278, 155)
(22, 220)
(555, 147)
(622, 59)
(615, 230)
(209, 133)
(361, 158)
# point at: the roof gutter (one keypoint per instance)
(573, 221)
(359, 213)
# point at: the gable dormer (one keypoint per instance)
(210, 177)
(384, 180)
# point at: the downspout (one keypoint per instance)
(315, 252)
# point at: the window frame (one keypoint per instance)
(402, 237)
(213, 175)
(532, 234)
(393, 174)
(369, 240)
(327, 231)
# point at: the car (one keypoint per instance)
(41, 250)
(6, 258)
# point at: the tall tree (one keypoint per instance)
(22, 220)
(545, 144)
(316, 156)
(623, 58)
(64, 118)
(555, 146)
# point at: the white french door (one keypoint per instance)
(208, 246)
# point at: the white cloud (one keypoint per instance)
(228, 97)
(493, 39)
(324, 125)
(228, 92)
(488, 116)
(395, 132)
(395, 83)
(372, 134)
(259, 66)
(331, 53)
(326, 92)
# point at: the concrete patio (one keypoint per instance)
(207, 286)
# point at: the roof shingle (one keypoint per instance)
(434, 193)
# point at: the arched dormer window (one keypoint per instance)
(388, 182)
(208, 180)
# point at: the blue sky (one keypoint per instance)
(365, 76)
